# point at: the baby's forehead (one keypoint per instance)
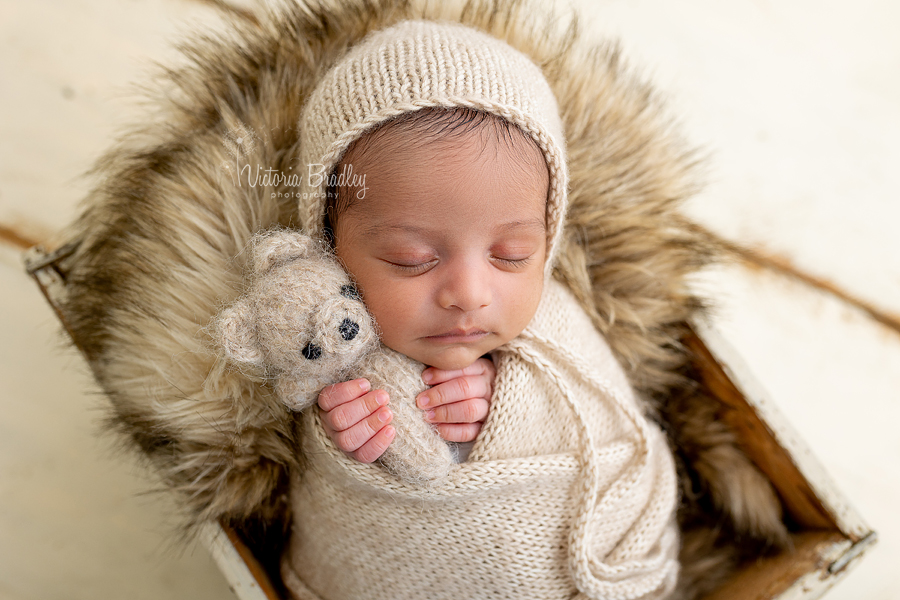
(455, 129)
(446, 139)
(404, 184)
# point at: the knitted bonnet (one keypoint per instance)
(427, 64)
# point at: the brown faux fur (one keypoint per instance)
(163, 232)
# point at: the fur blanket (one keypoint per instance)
(162, 235)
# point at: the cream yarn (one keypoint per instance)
(569, 493)
(422, 64)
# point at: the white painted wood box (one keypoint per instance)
(830, 538)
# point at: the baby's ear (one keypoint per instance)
(237, 335)
(278, 247)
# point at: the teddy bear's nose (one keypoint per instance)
(348, 329)
(311, 351)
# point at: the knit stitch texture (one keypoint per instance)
(568, 493)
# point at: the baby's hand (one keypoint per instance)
(459, 402)
(356, 419)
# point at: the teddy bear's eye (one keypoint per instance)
(348, 290)
(311, 351)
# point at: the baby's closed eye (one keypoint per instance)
(513, 262)
(514, 255)
(411, 263)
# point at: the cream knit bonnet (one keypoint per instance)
(427, 64)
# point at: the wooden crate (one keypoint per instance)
(830, 538)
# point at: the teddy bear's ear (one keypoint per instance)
(280, 246)
(237, 336)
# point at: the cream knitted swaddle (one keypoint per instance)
(568, 492)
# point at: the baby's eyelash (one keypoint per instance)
(414, 269)
(513, 262)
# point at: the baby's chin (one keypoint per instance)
(454, 364)
(447, 359)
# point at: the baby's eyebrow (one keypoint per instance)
(380, 228)
(534, 223)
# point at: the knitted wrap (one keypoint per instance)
(424, 64)
(569, 492)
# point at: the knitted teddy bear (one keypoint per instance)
(303, 322)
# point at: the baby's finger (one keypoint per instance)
(455, 390)
(465, 411)
(350, 413)
(354, 438)
(482, 366)
(375, 447)
(340, 393)
(459, 432)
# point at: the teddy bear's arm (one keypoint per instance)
(417, 454)
(298, 393)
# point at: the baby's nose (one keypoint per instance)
(466, 289)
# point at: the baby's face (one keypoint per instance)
(448, 245)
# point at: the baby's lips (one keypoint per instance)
(459, 332)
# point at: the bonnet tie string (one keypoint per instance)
(595, 577)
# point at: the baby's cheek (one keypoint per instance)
(392, 321)
(525, 304)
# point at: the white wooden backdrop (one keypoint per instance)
(797, 101)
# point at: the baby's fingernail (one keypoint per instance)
(389, 431)
(427, 376)
(363, 384)
(381, 397)
(422, 401)
(429, 416)
(384, 415)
